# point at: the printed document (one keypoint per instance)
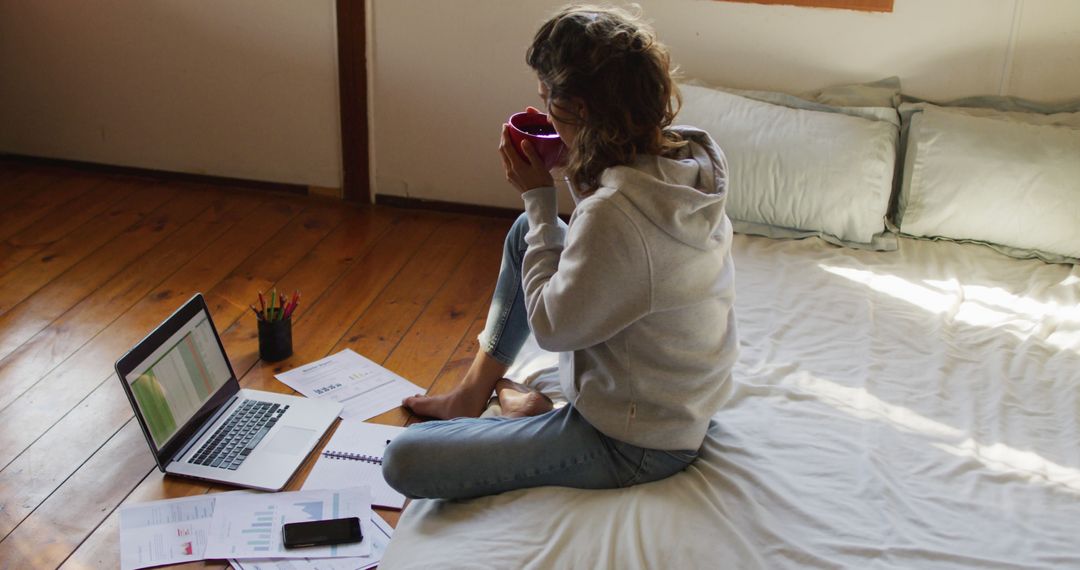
(380, 540)
(249, 525)
(365, 388)
(164, 532)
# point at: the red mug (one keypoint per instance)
(537, 129)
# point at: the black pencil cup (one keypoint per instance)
(275, 340)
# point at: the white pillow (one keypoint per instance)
(1003, 178)
(802, 172)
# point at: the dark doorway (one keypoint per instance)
(352, 81)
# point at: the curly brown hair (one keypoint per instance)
(611, 60)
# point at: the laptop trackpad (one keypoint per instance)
(289, 439)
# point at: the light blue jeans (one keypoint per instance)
(471, 457)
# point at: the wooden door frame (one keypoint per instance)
(352, 90)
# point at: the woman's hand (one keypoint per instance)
(527, 173)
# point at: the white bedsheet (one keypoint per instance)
(910, 409)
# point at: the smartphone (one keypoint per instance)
(321, 533)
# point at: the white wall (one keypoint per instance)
(446, 74)
(248, 88)
(238, 88)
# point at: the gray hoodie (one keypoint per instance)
(637, 295)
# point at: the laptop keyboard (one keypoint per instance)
(242, 431)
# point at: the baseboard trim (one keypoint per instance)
(157, 174)
(452, 207)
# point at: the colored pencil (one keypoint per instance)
(293, 304)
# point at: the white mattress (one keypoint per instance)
(909, 409)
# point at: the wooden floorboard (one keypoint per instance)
(59, 222)
(38, 193)
(105, 281)
(65, 386)
(383, 325)
(89, 263)
(134, 229)
(419, 356)
(24, 279)
(458, 363)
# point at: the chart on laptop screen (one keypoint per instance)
(178, 382)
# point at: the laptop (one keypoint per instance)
(200, 423)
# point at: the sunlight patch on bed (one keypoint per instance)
(990, 307)
(864, 405)
(998, 457)
(1004, 459)
(897, 287)
(1013, 304)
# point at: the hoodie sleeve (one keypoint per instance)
(586, 291)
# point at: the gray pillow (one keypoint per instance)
(999, 175)
(800, 168)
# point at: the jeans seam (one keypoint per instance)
(693, 457)
(493, 342)
(581, 460)
(513, 257)
(641, 469)
(611, 445)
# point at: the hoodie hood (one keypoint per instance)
(683, 195)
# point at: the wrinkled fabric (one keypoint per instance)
(912, 409)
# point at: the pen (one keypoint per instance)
(273, 300)
(258, 315)
(262, 305)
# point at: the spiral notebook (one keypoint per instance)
(353, 457)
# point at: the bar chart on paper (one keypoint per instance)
(249, 525)
(257, 535)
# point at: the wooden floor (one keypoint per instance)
(91, 262)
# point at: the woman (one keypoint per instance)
(635, 294)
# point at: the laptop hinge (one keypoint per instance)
(203, 429)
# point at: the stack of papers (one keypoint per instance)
(380, 539)
(246, 528)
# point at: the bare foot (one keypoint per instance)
(465, 401)
(518, 400)
(468, 399)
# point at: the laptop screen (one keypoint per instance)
(174, 382)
